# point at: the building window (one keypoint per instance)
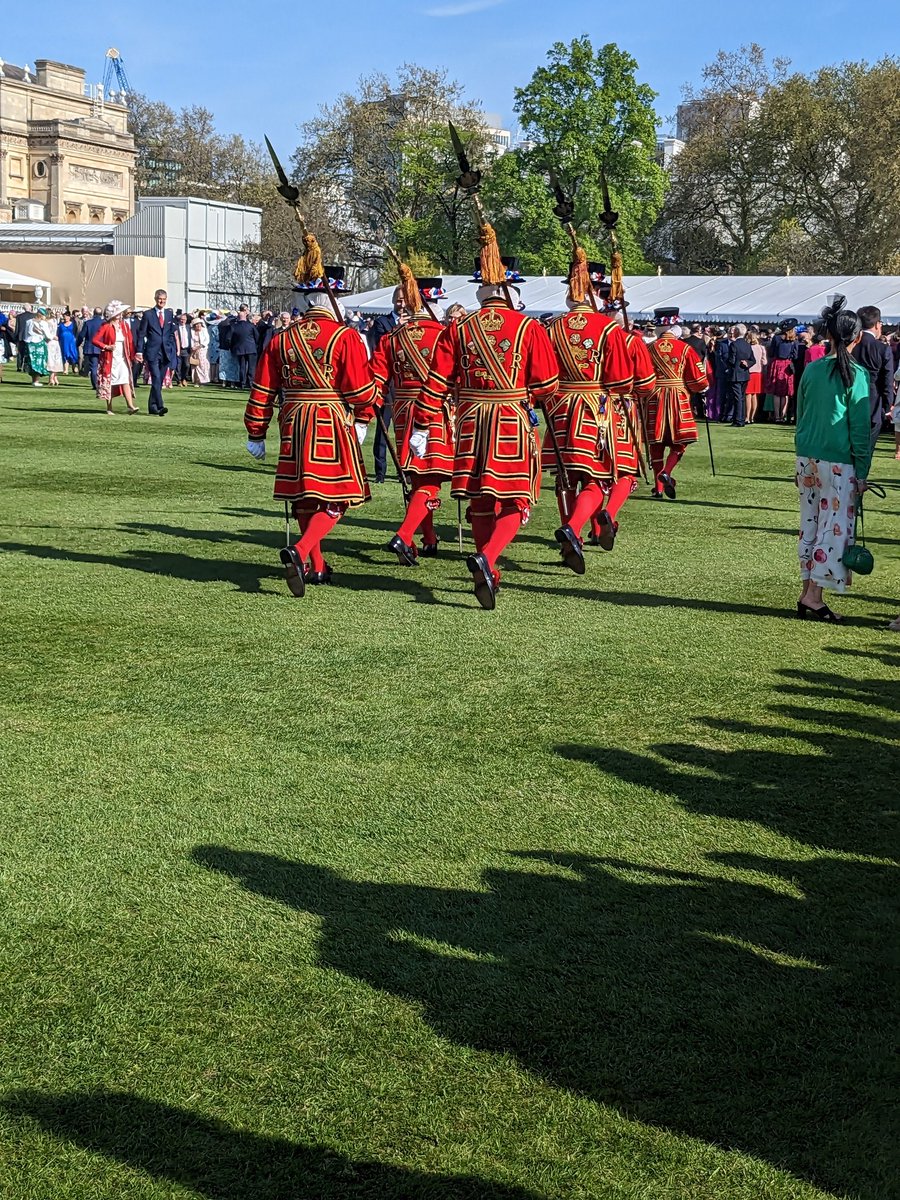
(73, 214)
(40, 169)
(16, 168)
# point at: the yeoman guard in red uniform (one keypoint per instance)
(670, 422)
(402, 364)
(628, 428)
(502, 362)
(594, 367)
(322, 370)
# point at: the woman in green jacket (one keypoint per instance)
(834, 454)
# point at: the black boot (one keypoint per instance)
(483, 579)
(406, 555)
(324, 576)
(570, 544)
(668, 484)
(608, 531)
(294, 571)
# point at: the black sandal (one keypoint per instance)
(818, 614)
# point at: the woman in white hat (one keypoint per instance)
(199, 351)
(114, 371)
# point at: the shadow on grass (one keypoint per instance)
(34, 408)
(252, 468)
(651, 600)
(793, 533)
(247, 577)
(823, 770)
(753, 1013)
(216, 1161)
(243, 576)
(723, 1010)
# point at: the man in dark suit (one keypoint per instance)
(382, 325)
(875, 356)
(156, 346)
(737, 374)
(244, 347)
(85, 340)
(134, 323)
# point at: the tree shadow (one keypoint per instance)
(793, 533)
(217, 1161)
(242, 576)
(753, 1019)
(252, 469)
(831, 784)
(34, 408)
(651, 600)
(247, 577)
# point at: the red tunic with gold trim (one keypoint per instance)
(500, 360)
(627, 459)
(322, 371)
(679, 373)
(594, 365)
(402, 363)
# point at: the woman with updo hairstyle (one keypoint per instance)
(834, 453)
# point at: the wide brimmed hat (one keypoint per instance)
(667, 316)
(788, 323)
(432, 287)
(596, 272)
(511, 268)
(335, 282)
(114, 309)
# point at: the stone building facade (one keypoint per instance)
(65, 152)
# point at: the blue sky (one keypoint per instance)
(253, 64)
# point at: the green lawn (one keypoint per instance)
(376, 894)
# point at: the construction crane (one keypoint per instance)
(114, 76)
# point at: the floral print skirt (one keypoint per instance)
(827, 520)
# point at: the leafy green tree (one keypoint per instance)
(837, 165)
(722, 207)
(380, 162)
(586, 113)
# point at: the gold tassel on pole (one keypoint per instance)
(412, 297)
(579, 277)
(310, 266)
(616, 288)
(492, 269)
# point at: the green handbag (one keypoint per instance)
(859, 558)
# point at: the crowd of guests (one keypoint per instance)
(755, 372)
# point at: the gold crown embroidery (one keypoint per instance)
(310, 330)
(490, 320)
(577, 320)
(415, 333)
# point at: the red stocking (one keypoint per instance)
(415, 514)
(429, 534)
(656, 464)
(302, 517)
(481, 517)
(320, 525)
(590, 499)
(675, 456)
(619, 493)
(506, 525)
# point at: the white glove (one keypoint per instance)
(257, 448)
(361, 430)
(418, 442)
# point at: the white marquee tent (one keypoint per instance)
(23, 285)
(709, 298)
